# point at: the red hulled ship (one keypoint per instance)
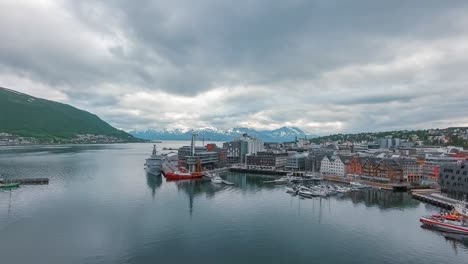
(454, 222)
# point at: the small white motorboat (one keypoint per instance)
(216, 179)
(292, 190)
(358, 185)
(305, 192)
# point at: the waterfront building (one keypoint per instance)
(208, 159)
(254, 145)
(266, 160)
(222, 154)
(369, 167)
(412, 170)
(235, 151)
(316, 155)
(185, 151)
(390, 169)
(382, 170)
(354, 167)
(332, 166)
(296, 161)
(454, 178)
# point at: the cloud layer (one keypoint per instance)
(324, 66)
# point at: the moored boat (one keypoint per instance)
(154, 163)
(448, 223)
(9, 185)
(292, 190)
(358, 185)
(216, 179)
(182, 175)
(305, 192)
(455, 222)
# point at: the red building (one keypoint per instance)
(354, 166)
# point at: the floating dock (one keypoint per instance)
(27, 181)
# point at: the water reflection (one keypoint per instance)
(457, 241)
(192, 188)
(154, 182)
(382, 199)
(52, 149)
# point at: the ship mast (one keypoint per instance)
(192, 144)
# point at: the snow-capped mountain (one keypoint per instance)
(282, 134)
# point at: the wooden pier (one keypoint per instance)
(27, 181)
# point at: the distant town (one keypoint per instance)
(401, 157)
(386, 161)
(10, 139)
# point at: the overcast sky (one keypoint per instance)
(324, 66)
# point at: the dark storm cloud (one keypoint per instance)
(325, 66)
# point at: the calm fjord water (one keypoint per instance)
(101, 207)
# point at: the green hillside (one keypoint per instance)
(28, 116)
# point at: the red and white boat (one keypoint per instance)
(453, 222)
(182, 174)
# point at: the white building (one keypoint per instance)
(332, 166)
(254, 145)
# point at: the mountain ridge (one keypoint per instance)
(281, 134)
(46, 120)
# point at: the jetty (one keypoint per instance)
(26, 181)
(382, 186)
(434, 197)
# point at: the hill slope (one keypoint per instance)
(28, 116)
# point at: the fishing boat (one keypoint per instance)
(455, 222)
(9, 185)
